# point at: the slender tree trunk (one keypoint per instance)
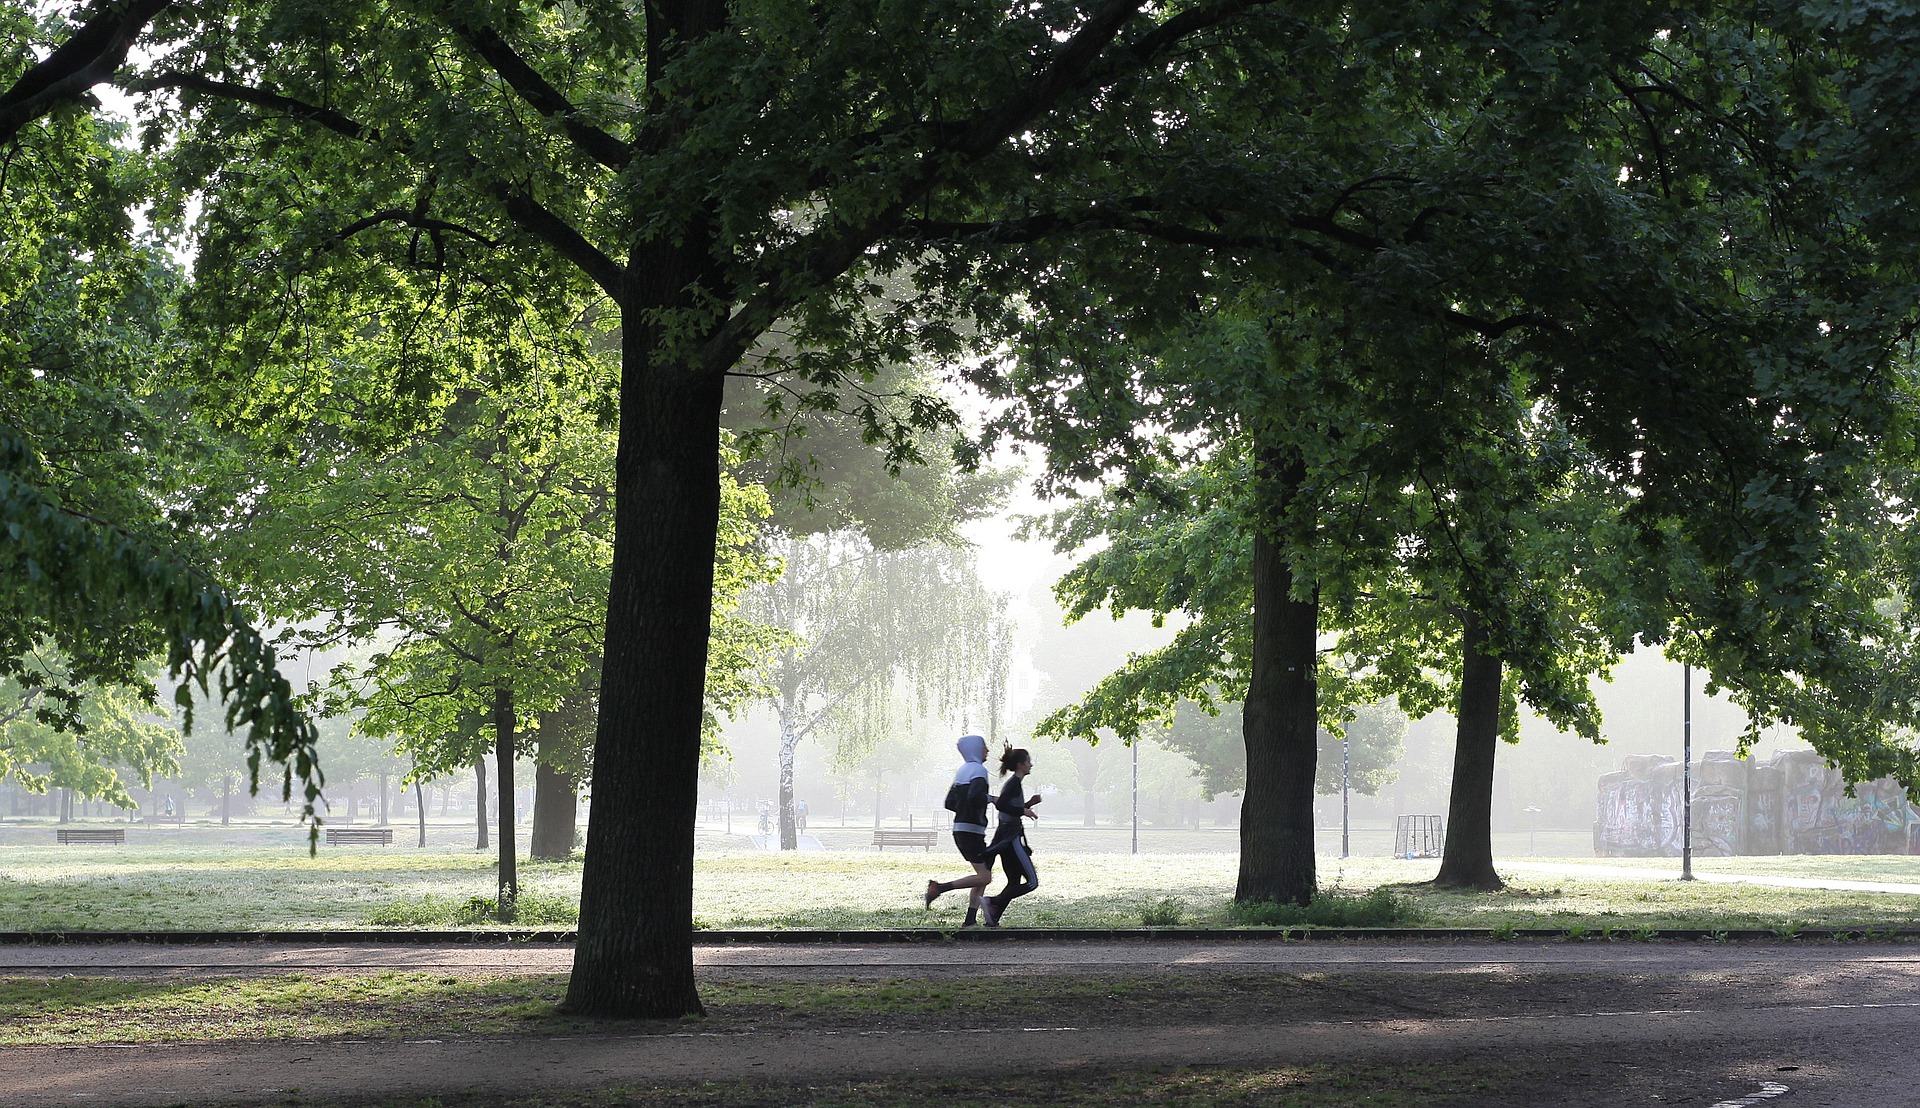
(789, 743)
(480, 802)
(634, 954)
(556, 799)
(1467, 860)
(226, 799)
(420, 807)
(383, 799)
(1280, 724)
(508, 898)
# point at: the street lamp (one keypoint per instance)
(1686, 772)
(1345, 766)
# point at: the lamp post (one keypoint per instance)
(1345, 766)
(1135, 747)
(1686, 772)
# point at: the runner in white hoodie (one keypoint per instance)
(967, 799)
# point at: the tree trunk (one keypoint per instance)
(383, 799)
(634, 954)
(508, 898)
(480, 802)
(226, 799)
(789, 743)
(1279, 723)
(556, 800)
(1467, 860)
(420, 807)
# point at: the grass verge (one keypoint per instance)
(241, 887)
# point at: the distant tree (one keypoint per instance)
(864, 623)
(46, 743)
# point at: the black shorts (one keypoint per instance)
(972, 844)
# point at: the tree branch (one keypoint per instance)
(545, 99)
(409, 218)
(91, 57)
(260, 98)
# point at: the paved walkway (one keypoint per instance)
(1038, 957)
(1597, 1023)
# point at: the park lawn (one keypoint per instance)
(1898, 868)
(242, 888)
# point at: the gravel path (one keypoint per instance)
(1594, 1023)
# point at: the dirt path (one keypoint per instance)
(1691, 1024)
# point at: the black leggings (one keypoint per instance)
(1022, 878)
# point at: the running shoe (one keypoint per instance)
(933, 892)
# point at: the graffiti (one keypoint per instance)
(1793, 804)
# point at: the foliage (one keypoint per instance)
(97, 564)
(113, 727)
(1375, 737)
(531, 909)
(1380, 907)
(1168, 911)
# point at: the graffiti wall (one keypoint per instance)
(1793, 804)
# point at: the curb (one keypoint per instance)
(834, 937)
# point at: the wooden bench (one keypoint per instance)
(887, 837)
(341, 835)
(115, 835)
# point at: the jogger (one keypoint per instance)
(967, 800)
(1010, 837)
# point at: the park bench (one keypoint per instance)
(115, 835)
(342, 835)
(886, 837)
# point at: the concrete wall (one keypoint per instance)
(1791, 804)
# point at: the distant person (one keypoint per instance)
(1010, 837)
(967, 799)
(168, 810)
(800, 816)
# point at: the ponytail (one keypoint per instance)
(1011, 757)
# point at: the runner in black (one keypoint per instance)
(1010, 837)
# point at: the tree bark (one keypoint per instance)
(789, 744)
(634, 954)
(508, 898)
(420, 806)
(383, 799)
(480, 802)
(1279, 724)
(556, 800)
(1467, 860)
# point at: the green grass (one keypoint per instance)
(155, 886)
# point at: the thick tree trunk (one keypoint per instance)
(1279, 724)
(1467, 860)
(789, 744)
(480, 802)
(634, 954)
(383, 799)
(508, 898)
(556, 805)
